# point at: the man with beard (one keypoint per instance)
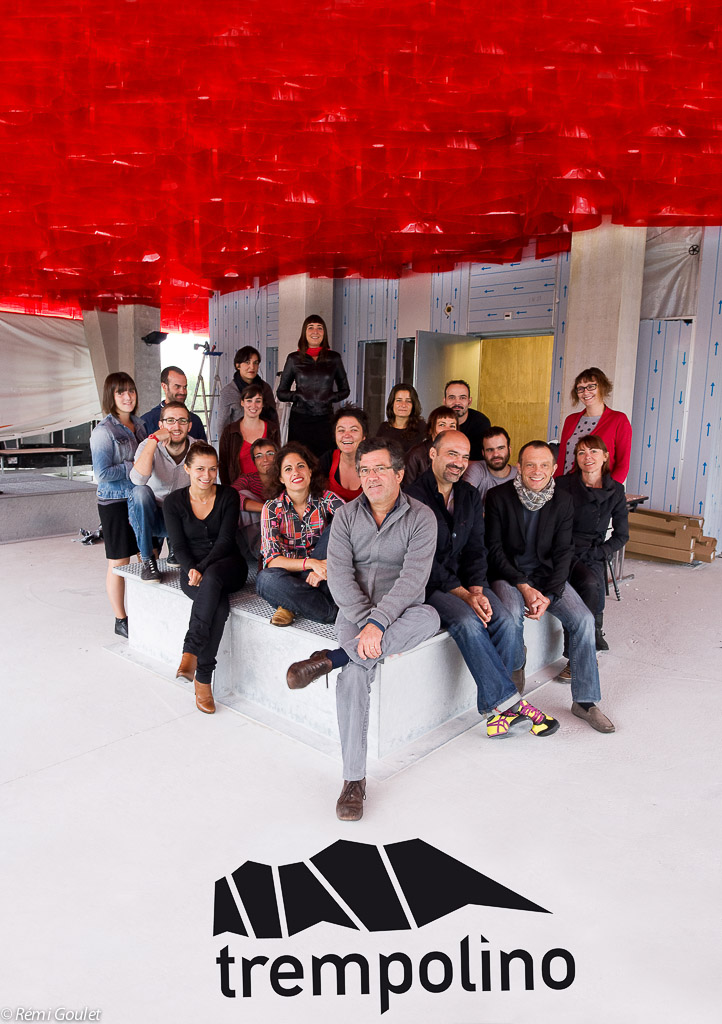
(157, 470)
(529, 538)
(482, 628)
(494, 468)
(457, 396)
(174, 385)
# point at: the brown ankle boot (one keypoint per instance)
(204, 697)
(187, 667)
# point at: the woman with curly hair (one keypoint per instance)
(294, 537)
(404, 422)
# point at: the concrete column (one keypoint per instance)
(298, 297)
(101, 336)
(141, 361)
(605, 295)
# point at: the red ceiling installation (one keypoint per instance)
(152, 152)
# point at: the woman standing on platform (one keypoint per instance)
(235, 457)
(315, 368)
(294, 537)
(113, 444)
(598, 499)
(592, 387)
(201, 521)
(404, 423)
(351, 426)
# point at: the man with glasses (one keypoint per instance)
(174, 385)
(158, 470)
(380, 553)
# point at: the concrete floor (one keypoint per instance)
(121, 805)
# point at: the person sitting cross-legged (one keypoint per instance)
(529, 527)
(484, 631)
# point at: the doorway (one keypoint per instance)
(514, 383)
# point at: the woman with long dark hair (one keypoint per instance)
(294, 536)
(404, 422)
(350, 426)
(320, 380)
(113, 444)
(235, 457)
(592, 387)
(201, 520)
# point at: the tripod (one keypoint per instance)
(208, 353)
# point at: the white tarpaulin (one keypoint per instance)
(46, 377)
(671, 271)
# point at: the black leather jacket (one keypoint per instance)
(314, 394)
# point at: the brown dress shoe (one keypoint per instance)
(593, 716)
(204, 697)
(350, 805)
(187, 667)
(282, 617)
(301, 673)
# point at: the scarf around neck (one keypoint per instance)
(534, 500)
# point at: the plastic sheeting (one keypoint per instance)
(671, 273)
(46, 377)
(149, 153)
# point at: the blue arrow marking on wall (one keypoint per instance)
(711, 389)
(492, 314)
(704, 468)
(720, 309)
(563, 323)
(371, 298)
(659, 329)
(565, 291)
(515, 264)
(454, 327)
(700, 509)
(556, 431)
(549, 284)
(486, 268)
(649, 442)
(680, 397)
(456, 292)
(715, 347)
(655, 365)
(487, 291)
(708, 426)
(437, 301)
(559, 394)
(676, 440)
(560, 361)
(547, 259)
(518, 288)
(670, 508)
(652, 406)
(645, 477)
(520, 311)
(684, 359)
(674, 472)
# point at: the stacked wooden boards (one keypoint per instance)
(670, 536)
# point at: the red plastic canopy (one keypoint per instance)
(151, 152)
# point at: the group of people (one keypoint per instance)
(425, 525)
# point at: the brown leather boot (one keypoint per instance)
(301, 673)
(187, 667)
(350, 805)
(204, 697)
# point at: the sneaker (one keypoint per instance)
(149, 572)
(498, 725)
(566, 672)
(171, 561)
(542, 725)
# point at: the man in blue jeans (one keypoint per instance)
(529, 538)
(157, 470)
(484, 631)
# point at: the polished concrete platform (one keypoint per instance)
(121, 806)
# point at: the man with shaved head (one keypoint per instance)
(458, 589)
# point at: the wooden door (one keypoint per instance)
(514, 383)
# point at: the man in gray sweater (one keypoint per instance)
(380, 553)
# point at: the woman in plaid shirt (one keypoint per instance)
(294, 536)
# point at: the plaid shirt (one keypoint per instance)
(284, 533)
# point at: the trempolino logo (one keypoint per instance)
(397, 887)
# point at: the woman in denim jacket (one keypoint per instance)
(113, 444)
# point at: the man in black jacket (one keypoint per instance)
(529, 537)
(457, 588)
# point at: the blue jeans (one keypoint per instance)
(576, 618)
(290, 590)
(146, 518)
(490, 652)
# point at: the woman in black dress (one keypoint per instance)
(201, 521)
(315, 368)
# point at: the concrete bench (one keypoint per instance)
(414, 695)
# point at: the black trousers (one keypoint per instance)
(313, 431)
(587, 578)
(210, 611)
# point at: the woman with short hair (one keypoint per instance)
(113, 444)
(592, 387)
(201, 520)
(294, 537)
(350, 427)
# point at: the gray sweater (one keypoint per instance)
(378, 572)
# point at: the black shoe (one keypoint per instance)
(121, 627)
(149, 572)
(171, 561)
(600, 643)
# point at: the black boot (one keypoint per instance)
(601, 643)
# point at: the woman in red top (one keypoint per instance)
(350, 427)
(235, 457)
(591, 388)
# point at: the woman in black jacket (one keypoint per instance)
(201, 521)
(314, 368)
(598, 499)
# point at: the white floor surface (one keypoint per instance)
(120, 805)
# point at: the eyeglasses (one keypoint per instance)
(171, 421)
(586, 387)
(264, 455)
(365, 471)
